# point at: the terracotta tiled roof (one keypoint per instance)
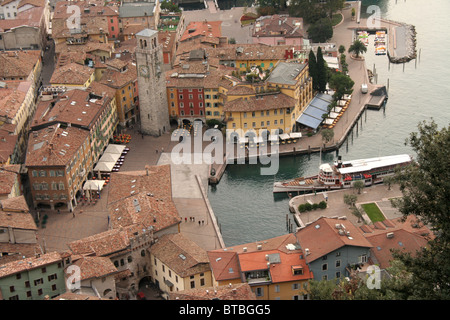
(279, 25)
(406, 236)
(94, 267)
(202, 29)
(8, 178)
(77, 107)
(18, 63)
(181, 254)
(88, 47)
(54, 146)
(228, 263)
(102, 244)
(31, 18)
(322, 237)
(138, 198)
(35, 3)
(71, 74)
(116, 79)
(16, 251)
(29, 264)
(257, 103)
(14, 213)
(240, 291)
(10, 102)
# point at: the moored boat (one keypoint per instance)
(342, 174)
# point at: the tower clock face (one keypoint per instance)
(143, 71)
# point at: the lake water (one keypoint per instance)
(243, 201)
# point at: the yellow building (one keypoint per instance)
(124, 81)
(178, 263)
(273, 104)
(274, 268)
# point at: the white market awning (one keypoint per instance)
(110, 157)
(273, 137)
(104, 166)
(295, 135)
(284, 136)
(115, 148)
(329, 121)
(94, 185)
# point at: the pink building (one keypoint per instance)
(278, 30)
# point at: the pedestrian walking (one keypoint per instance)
(199, 222)
(59, 211)
(73, 214)
(156, 151)
(185, 219)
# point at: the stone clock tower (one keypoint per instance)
(152, 84)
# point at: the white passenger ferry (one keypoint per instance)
(342, 174)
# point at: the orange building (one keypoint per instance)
(274, 268)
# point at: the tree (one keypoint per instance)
(389, 180)
(357, 47)
(359, 185)
(425, 187)
(358, 212)
(341, 84)
(170, 6)
(341, 49)
(350, 199)
(333, 6)
(310, 10)
(312, 66)
(322, 72)
(321, 31)
(327, 135)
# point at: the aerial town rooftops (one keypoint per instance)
(18, 64)
(14, 213)
(80, 108)
(181, 254)
(30, 18)
(71, 74)
(94, 267)
(328, 234)
(54, 146)
(26, 264)
(137, 198)
(205, 28)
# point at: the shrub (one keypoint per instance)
(322, 204)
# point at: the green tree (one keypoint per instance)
(357, 47)
(350, 199)
(359, 185)
(312, 66)
(341, 49)
(310, 10)
(168, 5)
(327, 135)
(358, 212)
(425, 186)
(332, 6)
(341, 84)
(322, 71)
(321, 30)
